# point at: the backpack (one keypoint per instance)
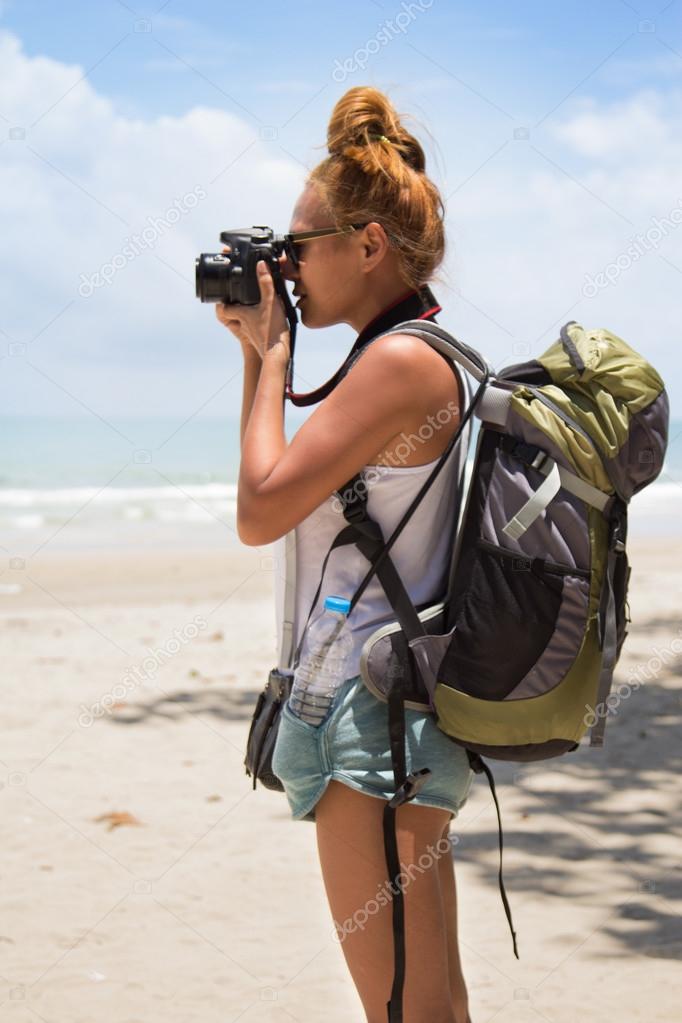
(516, 658)
(539, 568)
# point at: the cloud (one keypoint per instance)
(78, 182)
(641, 129)
(625, 71)
(533, 218)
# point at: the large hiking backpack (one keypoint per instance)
(519, 659)
(516, 658)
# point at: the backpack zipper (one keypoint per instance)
(550, 566)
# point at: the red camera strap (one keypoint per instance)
(418, 304)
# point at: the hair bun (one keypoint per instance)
(365, 119)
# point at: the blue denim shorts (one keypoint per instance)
(352, 746)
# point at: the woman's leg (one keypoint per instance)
(458, 990)
(351, 848)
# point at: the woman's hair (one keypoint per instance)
(376, 171)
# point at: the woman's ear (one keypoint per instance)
(375, 244)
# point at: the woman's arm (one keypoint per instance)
(264, 440)
(252, 325)
(280, 483)
(252, 368)
(263, 332)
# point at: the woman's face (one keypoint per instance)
(329, 275)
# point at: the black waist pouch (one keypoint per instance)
(263, 731)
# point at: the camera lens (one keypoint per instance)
(212, 272)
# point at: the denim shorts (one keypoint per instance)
(352, 746)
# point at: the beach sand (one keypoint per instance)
(144, 880)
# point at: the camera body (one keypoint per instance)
(231, 276)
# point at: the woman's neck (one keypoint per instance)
(377, 303)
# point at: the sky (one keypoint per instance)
(552, 130)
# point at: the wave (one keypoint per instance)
(26, 509)
(25, 497)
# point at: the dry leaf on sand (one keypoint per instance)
(116, 820)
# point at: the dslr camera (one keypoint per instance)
(231, 276)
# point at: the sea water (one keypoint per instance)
(84, 483)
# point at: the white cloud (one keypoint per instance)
(642, 129)
(544, 213)
(81, 183)
(625, 71)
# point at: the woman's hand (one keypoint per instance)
(263, 327)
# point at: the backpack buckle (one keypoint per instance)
(410, 787)
(539, 460)
(355, 511)
(529, 454)
(616, 543)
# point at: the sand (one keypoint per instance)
(144, 880)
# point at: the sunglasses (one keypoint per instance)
(299, 237)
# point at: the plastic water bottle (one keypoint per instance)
(321, 670)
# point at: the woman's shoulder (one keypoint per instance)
(398, 341)
(431, 372)
(430, 386)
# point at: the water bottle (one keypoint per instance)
(321, 670)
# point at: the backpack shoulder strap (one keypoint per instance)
(440, 339)
(468, 358)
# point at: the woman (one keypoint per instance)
(339, 773)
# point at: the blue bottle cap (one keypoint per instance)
(337, 604)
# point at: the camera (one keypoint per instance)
(231, 276)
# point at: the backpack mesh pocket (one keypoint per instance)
(518, 625)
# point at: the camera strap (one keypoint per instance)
(416, 304)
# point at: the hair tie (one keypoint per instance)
(381, 138)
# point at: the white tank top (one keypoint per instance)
(420, 554)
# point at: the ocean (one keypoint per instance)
(85, 483)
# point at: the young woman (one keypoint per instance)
(387, 412)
